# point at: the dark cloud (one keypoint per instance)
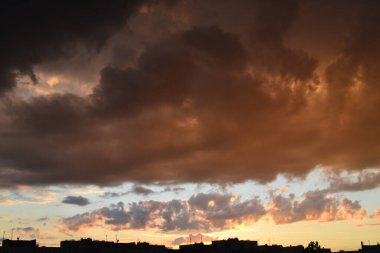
(37, 32)
(221, 98)
(76, 200)
(138, 189)
(115, 214)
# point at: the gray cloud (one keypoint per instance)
(30, 232)
(315, 205)
(214, 211)
(173, 215)
(108, 195)
(76, 200)
(176, 189)
(138, 189)
(359, 181)
(77, 222)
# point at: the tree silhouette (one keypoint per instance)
(313, 247)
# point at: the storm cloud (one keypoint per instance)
(213, 98)
(38, 32)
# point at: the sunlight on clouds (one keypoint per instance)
(52, 81)
(27, 195)
(51, 84)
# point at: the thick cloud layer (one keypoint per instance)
(40, 31)
(238, 95)
(214, 211)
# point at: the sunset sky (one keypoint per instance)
(159, 119)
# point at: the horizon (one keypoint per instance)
(189, 242)
(155, 119)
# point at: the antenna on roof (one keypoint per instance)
(190, 238)
(12, 234)
(106, 237)
(117, 241)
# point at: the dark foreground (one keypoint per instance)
(222, 246)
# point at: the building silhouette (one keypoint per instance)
(370, 248)
(19, 246)
(231, 245)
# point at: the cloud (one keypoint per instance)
(108, 195)
(215, 211)
(27, 195)
(176, 189)
(42, 31)
(141, 190)
(138, 189)
(315, 205)
(196, 238)
(76, 200)
(211, 99)
(30, 232)
(79, 222)
(377, 214)
(173, 215)
(359, 181)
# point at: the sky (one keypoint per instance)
(176, 121)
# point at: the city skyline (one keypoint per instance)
(225, 245)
